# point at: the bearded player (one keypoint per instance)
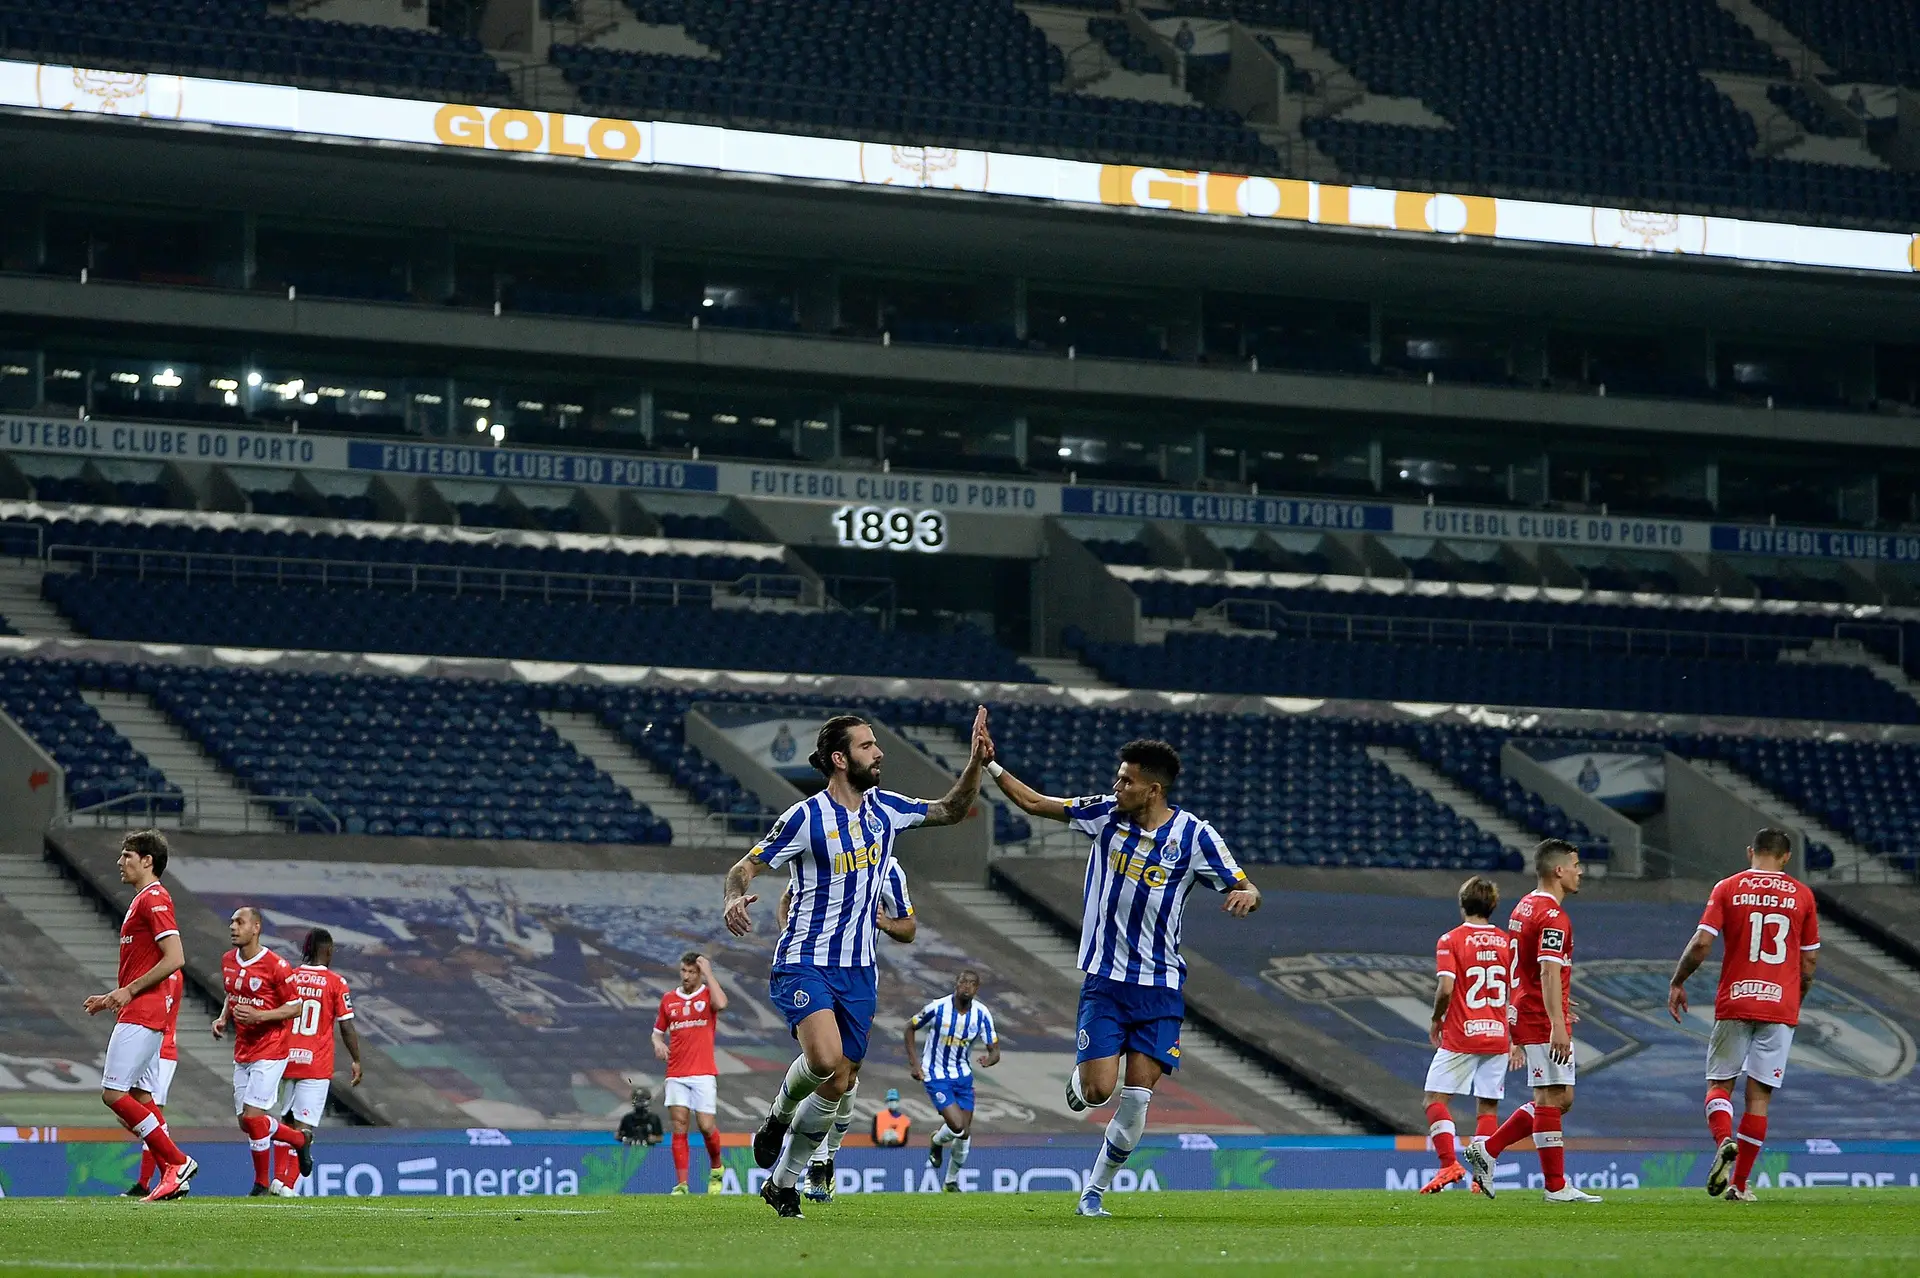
(150, 956)
(836, 846)
(1769, 936)
(325, 1003)
(1469, 1030)
(1542, 1023)
(262, 1002)
(683, 1038)
(1146, 856)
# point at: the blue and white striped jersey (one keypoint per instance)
(894, 901)
(1136, 890)
(947, 1051)
(837, 863)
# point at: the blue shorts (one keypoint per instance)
(851, 992)
(1116, 1017)
(951, 1091)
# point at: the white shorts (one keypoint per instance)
(308, 1100)
(1544, 1071)
(257, 1083)
(131, 1052)
(1757, 1049)
(698, 1093)
(158, 1080)
(1460, 1073)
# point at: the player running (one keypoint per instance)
(262, 1002)
(1469, 1030)
(1145, 858)
(1769, 936)
(945, 1065)
(150, 954)
(836, 846)
(1542, 1023)
(683, 1038)
(325, 1002)
(153, 1088)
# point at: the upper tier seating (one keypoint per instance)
(241, 39)
(101, 765)
(1872, 40)
(943, 71)
(1426, 672)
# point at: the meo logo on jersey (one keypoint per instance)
(1759, 991)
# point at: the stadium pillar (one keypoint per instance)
(33, 789)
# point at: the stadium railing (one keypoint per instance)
(232, 569)
(266, 813)
(1272, 615)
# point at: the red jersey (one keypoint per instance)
(324, 1000)
(1542, 933)
(263, 982)
(687, 1021)
(176, 987)
(1765, 921)
(1479, 958)
(149, 921)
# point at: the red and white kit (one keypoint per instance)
(134, 1049)
(688, 1022)
(158, 1081)
(1542, 933)
(1765, 922)
(1472, 1057)
(263, 982)
(324, 1002)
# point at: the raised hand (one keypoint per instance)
(982, 741)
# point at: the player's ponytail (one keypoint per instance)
(835, 733)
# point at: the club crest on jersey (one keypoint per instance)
(1084, 1041)
(800, 998)
(253, 983)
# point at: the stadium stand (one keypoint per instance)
(1879, 43)
(102, 766)
(241, 39)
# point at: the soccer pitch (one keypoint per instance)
(1644, 1232)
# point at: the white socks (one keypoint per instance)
(842, 1121)
(1124, 1130)
(957, 1157)
(800, 1083)
(810, 1122)
(945, 1136)
(1073, 1085)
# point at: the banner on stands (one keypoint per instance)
(483, 1163)
(1629, 780)
(98, 438)
(639, 145)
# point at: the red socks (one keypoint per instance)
(1440, 1132)
(1486, 1125)
(286, 1166)
(713, 1150)
(681, 1156)
(1518, 1124)
(1547, 1143)
(1720, 1114)
(145, 1123)
(291, 1137)
(259, 1128)
(1753, 1134)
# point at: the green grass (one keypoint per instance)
(1644, 1233)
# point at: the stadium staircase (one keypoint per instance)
(22, 605)
(1851, 862)
(1068, 672)
(1850, 652)
(949, 748)
(73, 951)
(1836, 935)
(1049, 949)
(215, 800)
(1464, 805)
(693, 825)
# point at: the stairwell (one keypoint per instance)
(1770, 31)
(949, 748)
(1835, 935)
(1068, 672)
(1851, 862)
(215, 800)
(1046, 946)
(82, 949)
(1464, 804)
(693, 826)
(1850, 652)
(21, 604)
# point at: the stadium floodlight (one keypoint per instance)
(166, 377)
(480, 425)
(253, 379)
(499, 432)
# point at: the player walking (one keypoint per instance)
(945, 1065)
(1145, 858)
(153, 1088)
(325, 1002)
(1769, 936)
(1469, 1030)
(262, 1002)
(837, 845)
(683, 1038)
(1542, 1023)
(150, 954)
